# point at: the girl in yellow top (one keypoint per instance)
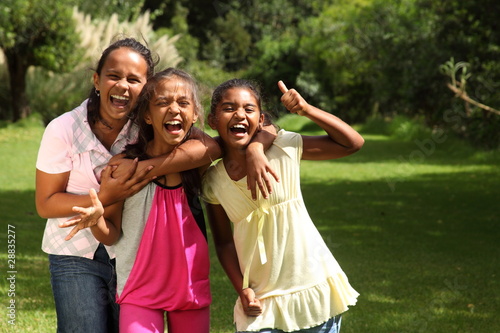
(285, 275)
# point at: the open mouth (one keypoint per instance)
(173, 126)
(239, 129)
(119, 101)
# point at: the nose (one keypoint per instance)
(122, 84)
(173, 108)
(240, 113)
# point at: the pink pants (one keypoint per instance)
(136, 319)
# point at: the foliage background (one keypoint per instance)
(357, 58)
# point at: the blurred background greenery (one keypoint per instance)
(360, 59)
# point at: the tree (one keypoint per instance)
(44, 34)
(35, 33)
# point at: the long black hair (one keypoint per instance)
(191, 179)
(94, 103)
(251, 86)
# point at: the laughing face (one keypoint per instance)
(119, 84)
(171, 114)
(237, 117)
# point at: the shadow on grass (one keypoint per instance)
(423, 255)
(32, 278)
(378, 149)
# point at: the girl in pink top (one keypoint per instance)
(162, 251)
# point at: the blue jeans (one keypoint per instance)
(331, 326)
(84, 293)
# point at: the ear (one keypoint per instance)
(195, 117)
(212, 121)
(147, 119)
(261, 121)
(96, 81)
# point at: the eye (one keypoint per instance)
(161, 103)
(184, 103)
(134, 80)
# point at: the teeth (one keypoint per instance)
(239, 126)
(124, 98)
(173, 122)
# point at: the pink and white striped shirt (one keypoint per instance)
(68, 144)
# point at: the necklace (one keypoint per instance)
(105, 123)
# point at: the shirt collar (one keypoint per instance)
(85, 140)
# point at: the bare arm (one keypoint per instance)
(226, 252)
(341, 139)
(257, 164)
(52, 200)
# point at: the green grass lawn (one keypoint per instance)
(414, 224)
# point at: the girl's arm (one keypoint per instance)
(258, 166)
(198, 151)
(226, 252)
(53, 201)
(342, 139)
(104, 224)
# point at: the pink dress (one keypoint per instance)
(162, 256)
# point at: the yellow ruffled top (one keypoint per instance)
(282, 256)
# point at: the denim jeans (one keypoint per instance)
(331, 326)
(84, 293)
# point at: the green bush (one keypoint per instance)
(406, 129)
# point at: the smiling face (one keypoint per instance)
(171, 113)
(237, 117)
(120, 81)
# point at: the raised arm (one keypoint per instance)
(226, 252)
(341, 139)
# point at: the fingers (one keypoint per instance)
(70, 222)
(251, 186)
(72, 233)
(95, 200)
(282, 86)
(107, 172)
(253, 308)
(265, 186)
(275, 176)
(262, 182)
(133, 168)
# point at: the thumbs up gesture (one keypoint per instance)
(293, 101)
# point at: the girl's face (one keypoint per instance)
(171, 112)
(237, 117)
(121, 80)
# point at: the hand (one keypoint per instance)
(258, 170)
(86, 218)
(121, 165)
(293, 101)
(114, 189)
(251, 305)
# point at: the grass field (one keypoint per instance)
(413, 223)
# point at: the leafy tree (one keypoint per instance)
(34, 33)
(43, 33)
